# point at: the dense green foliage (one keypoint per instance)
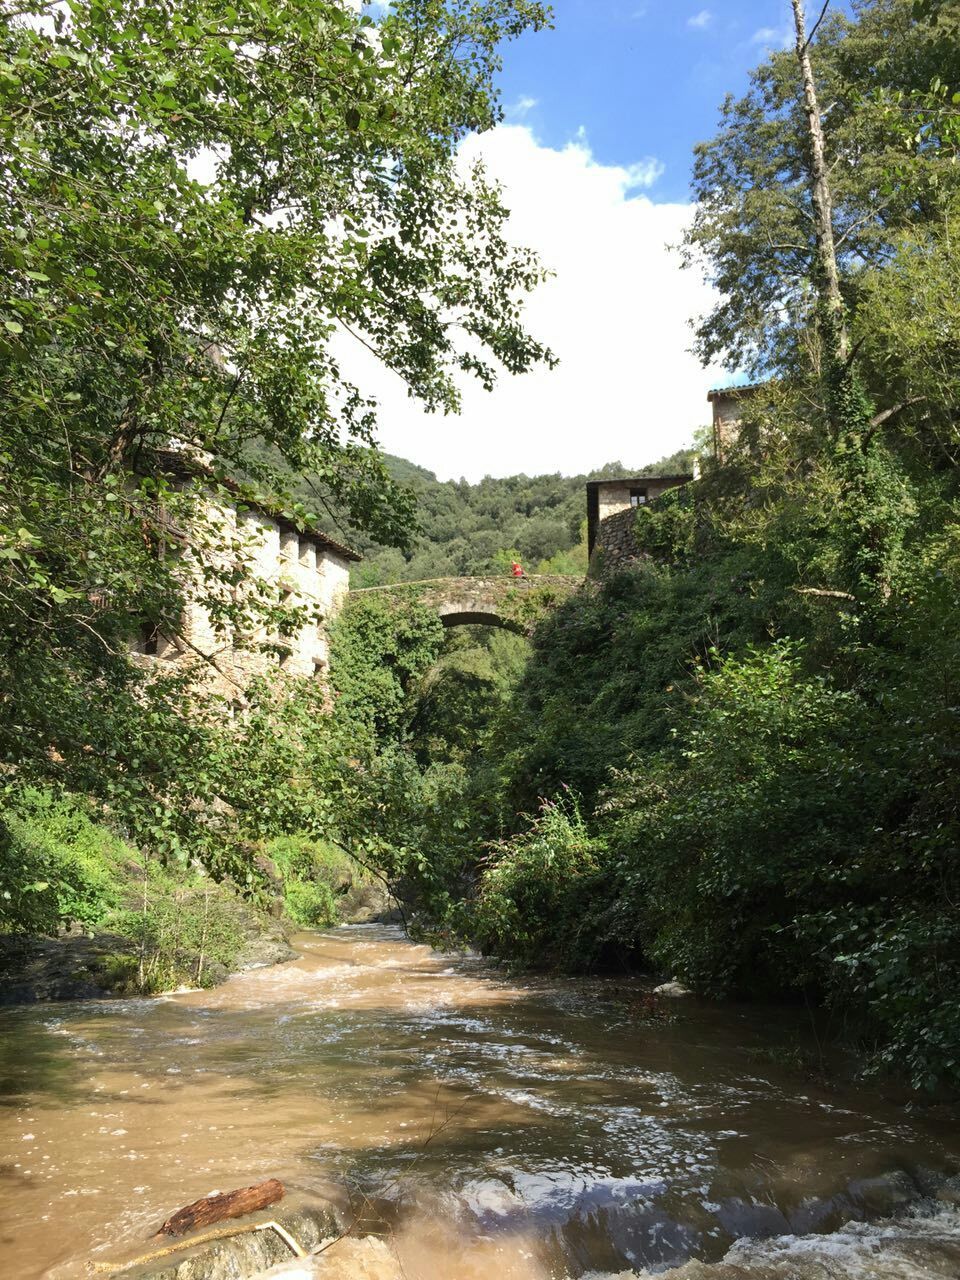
(168, 925)
(56, 865)
(464, 529)
(737, 762)
(533, 887)
(196, 200)
(892, 168)
(379, 650)
(164, 924)
(764, 750)
(313, 875)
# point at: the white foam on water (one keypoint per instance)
(921, 1246)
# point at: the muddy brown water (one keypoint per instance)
(479, 1127)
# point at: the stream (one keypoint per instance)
(475, 1126)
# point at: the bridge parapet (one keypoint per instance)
(514, 603)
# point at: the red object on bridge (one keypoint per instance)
(516, 569)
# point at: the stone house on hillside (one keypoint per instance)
(728, 405)
(612, 504)
(611, 515)
(309, 570)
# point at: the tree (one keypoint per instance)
(198, 202)
(793, 279)
(755, 229)
(833, 312)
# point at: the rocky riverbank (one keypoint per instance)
(81, 966)
(93, 965)
(94, 916)
(76, 965)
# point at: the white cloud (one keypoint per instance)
(615, 313)
(522, 107)
(700, 20)
(644, 173)
(773, 37)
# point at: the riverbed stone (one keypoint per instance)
(949, 1192)
(69, 967)
(884, 1195)
(308, 1219)
(366, 901)
(672, 990)
(266, 943)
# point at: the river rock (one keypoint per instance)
(69, 967)
(308, 1219)
(884, 1195)
(366, 901)
(266, 943)
(672, 990)
(949, 1192)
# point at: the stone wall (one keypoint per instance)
(613, 497)
(727, 415)
(504, 601)
(612, 507)
(616, 545)
(304, 569)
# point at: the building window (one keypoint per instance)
(638, 497)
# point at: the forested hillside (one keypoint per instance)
(462, 528)
(736, 763)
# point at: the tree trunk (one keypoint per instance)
(836, 337)
(229, 1204)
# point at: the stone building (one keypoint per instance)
(611, 514)
(307, 569)
(728, 405)
(612, 504)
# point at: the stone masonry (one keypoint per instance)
(612, 507)
(305, 568)
(616, 545)
(512, 603)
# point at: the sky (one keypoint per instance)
(594, 155)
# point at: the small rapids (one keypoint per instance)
(467, 1125)
(904, 1249)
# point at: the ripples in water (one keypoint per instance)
(497, 1130)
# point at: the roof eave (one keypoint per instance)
(181, 464)
(684, 478)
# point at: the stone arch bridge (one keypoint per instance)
(517, 604)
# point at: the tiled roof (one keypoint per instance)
(639, 480)
(173, 462)
(746, 388)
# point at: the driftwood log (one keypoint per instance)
(228, 1204)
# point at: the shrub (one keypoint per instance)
(185, 929)
(759, 816)
(665, 528)
(311, 904)
(314, 873)
(57, 866)
(532, 892)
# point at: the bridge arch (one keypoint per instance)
(457, 613)
(515, 604)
